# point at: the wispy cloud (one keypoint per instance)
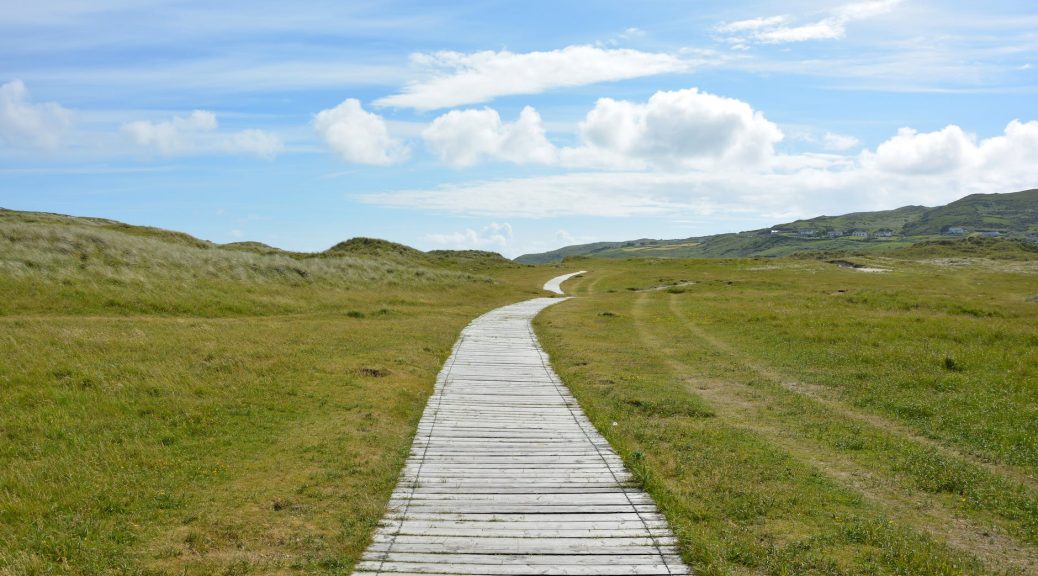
(496, 236)
(196, 133)
(784, 28)
(839, 142)
(456, 78)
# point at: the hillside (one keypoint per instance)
(1013, 215)
(76, 246)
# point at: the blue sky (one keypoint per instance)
(509, 126)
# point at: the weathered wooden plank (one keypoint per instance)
(525, 559)
(604, 568)
(506, 475)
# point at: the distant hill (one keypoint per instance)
(1013, 216)
(372, 247)
(99, 236)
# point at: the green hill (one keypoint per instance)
(1012, 216)
(1016, 212)
(373, 247)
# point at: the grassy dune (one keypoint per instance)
(176, 407)
(795, 417)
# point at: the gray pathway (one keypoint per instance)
(507, 475)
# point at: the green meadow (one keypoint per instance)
(173, 406)
(792, 416)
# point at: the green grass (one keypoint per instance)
(173, 406)
(791, 416)
(176, 407)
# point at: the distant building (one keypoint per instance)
(834, 233)
(991, 233)
(775, 232)
(860, 234)
(956, 230)
(885, 233)
(807, 232)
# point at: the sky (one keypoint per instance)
(515, 127)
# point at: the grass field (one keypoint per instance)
(176, 408)
(172, 406)
(794, 417)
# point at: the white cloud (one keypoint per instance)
(672, 130)
(928, 153)
(910, 168)
(463, 137)
(258, 142)
(494, 236)
(839, 142)
(197, 133)
(458, 78)
(682, 128)
(24, 123)
(752, 24)
(951, 151)
(359, 136)
(585, 193)
(172, 136)
(777, 30)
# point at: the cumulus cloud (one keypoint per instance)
(951, 150)
(911, 152)
(494, 236)
(672, 130)
(682, 128)
(463, 137)
(779, 29)
(910, 168)
(457, 78)
(197, 133)
(24, 123)
(359, 136)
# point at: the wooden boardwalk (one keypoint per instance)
(507, 475)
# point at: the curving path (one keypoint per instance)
(507, 476)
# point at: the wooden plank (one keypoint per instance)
(506, 475)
